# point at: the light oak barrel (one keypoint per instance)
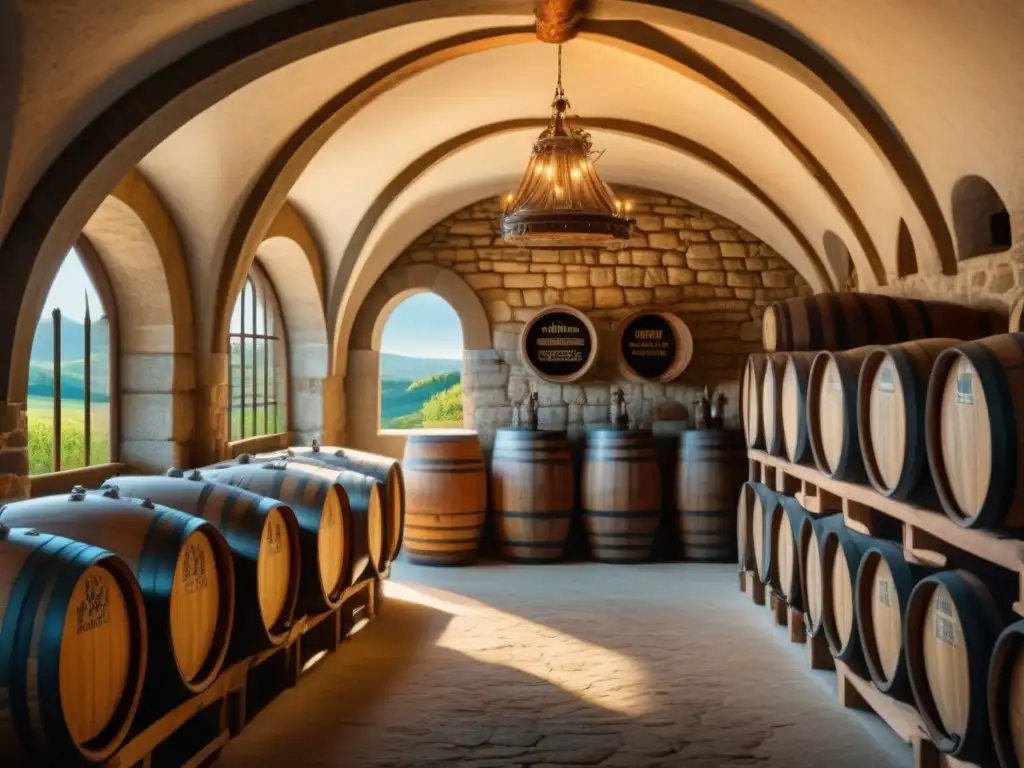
(809, 549)
(749, 495)
(786, 520)
(974, 431)
(1006, 696)
(771, 404)
(837, 321)
(832, 414)
(841, 553)
(751, 387)
(383, 468)
(765, 503)
(323, 515)
(621, 494)
(532, 493)
(793, 405)
(891, 393)
(264, 541)
(712, 467)
(183, 567)
(950, 629)
(885, 581)
(73, 650)
(446, 497)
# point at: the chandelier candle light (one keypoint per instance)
(561, 201)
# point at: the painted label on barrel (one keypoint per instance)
(944, 620)
(883, 592)
(94, 609)
(275, 538)
(885, 382)
(558, 344)
(964, 389)
(649, 345)
(194, 569)
(832, 376)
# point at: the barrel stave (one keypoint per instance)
(711, 469)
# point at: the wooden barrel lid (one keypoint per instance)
(274, 568)
(751, 404)
(812, 579)
(792, 408)
(330, 541)
(946, 666)
(559, 344)
(784, 547)
(886, 617)
(842, 597)
(769, 397)
(653, 346)
(831, 416)
(95, 654)
(770, 329)
(966, 436)
(195, 604)
(886, 418)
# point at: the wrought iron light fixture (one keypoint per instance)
(561, 201)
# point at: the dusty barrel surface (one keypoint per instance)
(891, 394)
(793, 405)
(771, 404)
(751, 387)
(951, 627)
(446, 501)
(382, 468)
(532, 493)
(712, 467)
(323, 517)
(264, 541)
(832, 413)
(813, 531)
(621, 494)
(73, 644)
(838, 321)
(183, 567)
(885, 581)
(974, 429)
(786, 520)
(841, 553)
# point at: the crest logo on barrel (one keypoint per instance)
(93, 610)
(193, 568)
(558, 344)
(649, 345)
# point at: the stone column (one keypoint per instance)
(210, 441)
(14, 480)
(485, 405)
(334, 404)
(157, 416)
(307, 357)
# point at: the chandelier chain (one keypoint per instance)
(559, 92)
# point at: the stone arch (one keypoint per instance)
(133, 238)
(906, 253)
(980, 218)
(363, 375)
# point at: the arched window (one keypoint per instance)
(980, 218)
(906, 253)
(421, 365)
(69, 390)
(258, 381)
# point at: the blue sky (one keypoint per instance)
(424, 325)
(69, 289)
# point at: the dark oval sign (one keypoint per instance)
(649, 345)
(558, 345)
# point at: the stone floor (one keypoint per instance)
(581, 664)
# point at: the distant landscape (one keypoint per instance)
(415, 390)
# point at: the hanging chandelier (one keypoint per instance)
(561, 201)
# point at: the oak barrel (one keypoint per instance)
(810, 542)
(446, 497)
(532, 493)
(841, 553)
(765, 503)
(786, 520)
(183, 567)
(771, 404)
(974, 429)
(666, 433)
(322, 513)
(793, 405)
(950, 629)
(1006, 696)
(264, 541)
(382, 468)
(832, 414)
(891, 394)
(73, 650)
(837, 321)
(712, 467)
(884, 582)
(621, 494)
(749, 499)
(751, 387)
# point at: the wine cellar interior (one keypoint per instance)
(704, 449)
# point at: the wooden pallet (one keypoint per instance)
(195, 731)
(929, 536)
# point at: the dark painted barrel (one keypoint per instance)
(712, 467)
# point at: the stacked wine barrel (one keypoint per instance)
(141, 592)
(924, 401)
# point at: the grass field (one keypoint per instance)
(72, 434)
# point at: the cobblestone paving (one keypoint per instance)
(575, 665)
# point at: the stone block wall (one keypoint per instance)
(682, 259)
